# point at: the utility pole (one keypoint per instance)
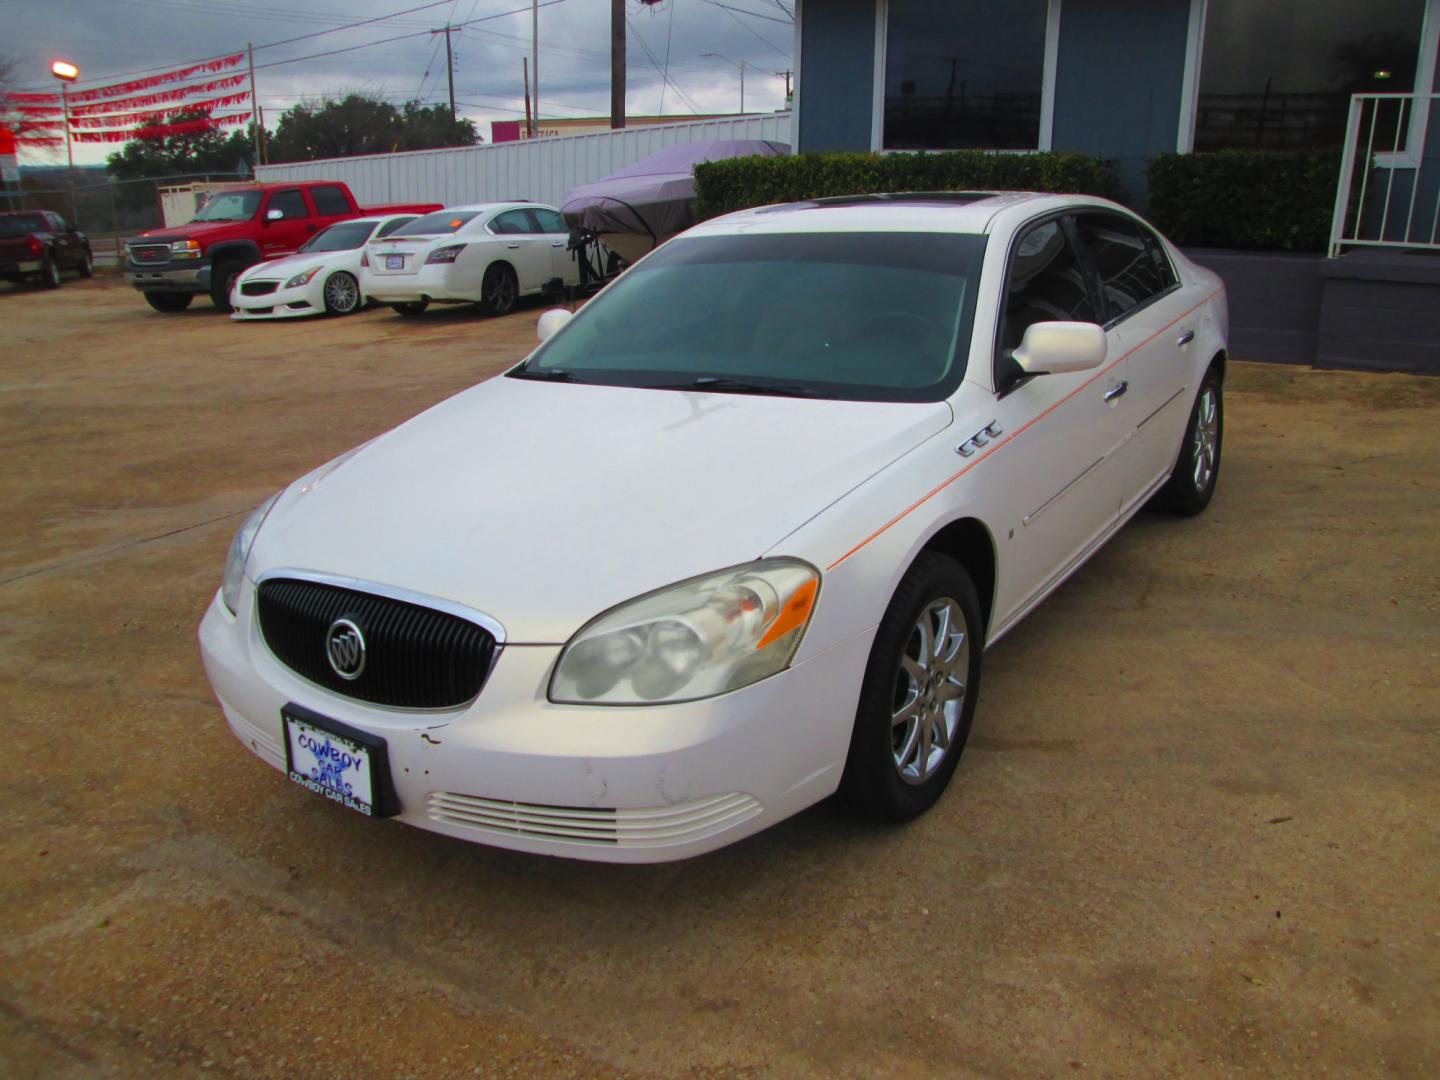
(254, 103)
(449, 63)
(529, 124)
(535, 56)
(788, 75)
(617, 63)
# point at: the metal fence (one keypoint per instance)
(106, 212)
(1389, 190)
(539, 169)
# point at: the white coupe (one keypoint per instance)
(489, 254)
(321, 278)
(733, 537)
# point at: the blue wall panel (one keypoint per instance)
(1118, 81)
(837, 74)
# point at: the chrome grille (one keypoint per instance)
(662, 826)
(150, 253)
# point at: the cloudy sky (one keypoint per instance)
(111, 39)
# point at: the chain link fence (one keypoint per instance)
(109, 212)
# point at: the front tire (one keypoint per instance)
(50, 274)
(1192, 484)
(918, 697)
(342, 293)
(499, 291)
(411, 309)
(87, 264)
(222, 280)
(169, 302)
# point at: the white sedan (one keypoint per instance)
(734, 537)
(321, 278)
(489, 254)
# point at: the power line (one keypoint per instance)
(686, 98)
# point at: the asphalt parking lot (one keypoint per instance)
(1197, 829)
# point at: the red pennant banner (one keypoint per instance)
(145, 116)
(179, 93)
(178, 75)
(39, 140)
(38, 110)
(162, 131)
(32, 99)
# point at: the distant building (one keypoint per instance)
(502, 131)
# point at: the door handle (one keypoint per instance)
(310, 228)
(557, 243)
(513, 247)
(1115, 391)
(1185, 338)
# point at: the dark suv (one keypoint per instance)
(38, 244)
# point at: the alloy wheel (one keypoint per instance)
(1207, 438)
(930, 687)
(342, 294)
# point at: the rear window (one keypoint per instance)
(443, 221)
(329, 201)
(22, 224)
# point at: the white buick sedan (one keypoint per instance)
(734, 537)
(489, 254)
(321, 278)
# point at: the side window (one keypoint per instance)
(548, 221)
(391, 226)
(1046, 283)
(511, 222)
(329, 201)
(291, 204)
(1132, 267)
(57, 222)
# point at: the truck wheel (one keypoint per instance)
(169, 301)
(411, 308)
(49, 274)
(87, 263)
(222, 277)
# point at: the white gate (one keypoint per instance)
(541, 170)
(1389, 189)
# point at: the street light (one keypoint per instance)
(66, 72)
(741, 64)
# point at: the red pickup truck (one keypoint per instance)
(235, 230)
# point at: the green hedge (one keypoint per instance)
(1266, 200)
(740, 183)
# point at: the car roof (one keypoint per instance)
(974, 212)
(483, 206)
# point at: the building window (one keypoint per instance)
(1280, 74)
(964, 74)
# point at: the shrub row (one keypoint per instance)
(1266, 200)
(740, 183)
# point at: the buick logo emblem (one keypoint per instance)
(345, 649)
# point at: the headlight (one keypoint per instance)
(185, 249)
(302, 278)
(445, 254)
(696, 639)
(240, 551)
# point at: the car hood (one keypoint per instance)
(290, 265)
(544, 504)
(205, 232)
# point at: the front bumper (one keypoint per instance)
(610, 784)
(188, 277)
(281, 304)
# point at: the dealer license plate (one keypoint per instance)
(330, 764)
(394, 262)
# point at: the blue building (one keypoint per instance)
(1129, 79)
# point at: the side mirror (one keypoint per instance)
(550, 322)
(274, 215)
(1050, 348)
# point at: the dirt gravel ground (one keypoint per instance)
(1195, 831)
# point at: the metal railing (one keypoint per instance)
(1389, 190)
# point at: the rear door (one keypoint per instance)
(563, 264)
(67, 245)
(331, 204)
(1143, 306)
(295, 225)
(523, 247)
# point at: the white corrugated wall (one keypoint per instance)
(542, 170)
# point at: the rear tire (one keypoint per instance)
(222, 279)
(87, 264)
(918, 698)
(499, 291)
(169, 302)
(49, 274)
(1192, 484)
(341, 293)
(411, 309)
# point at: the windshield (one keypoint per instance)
(343, 236)
(861, 316)
(445, 221)
(230, 206)
(22, 224)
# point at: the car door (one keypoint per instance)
(1142, 301)
(331, 204)
(1059, 496)
(523, 248)
(296, 223)
(67, 244)
(551, 224)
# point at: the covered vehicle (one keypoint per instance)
(323, 277)
(645, 204)
(489, 254)
(38, 244)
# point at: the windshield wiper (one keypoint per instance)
(553, 374)
(721, 384)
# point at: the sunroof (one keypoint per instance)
(929, 198)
